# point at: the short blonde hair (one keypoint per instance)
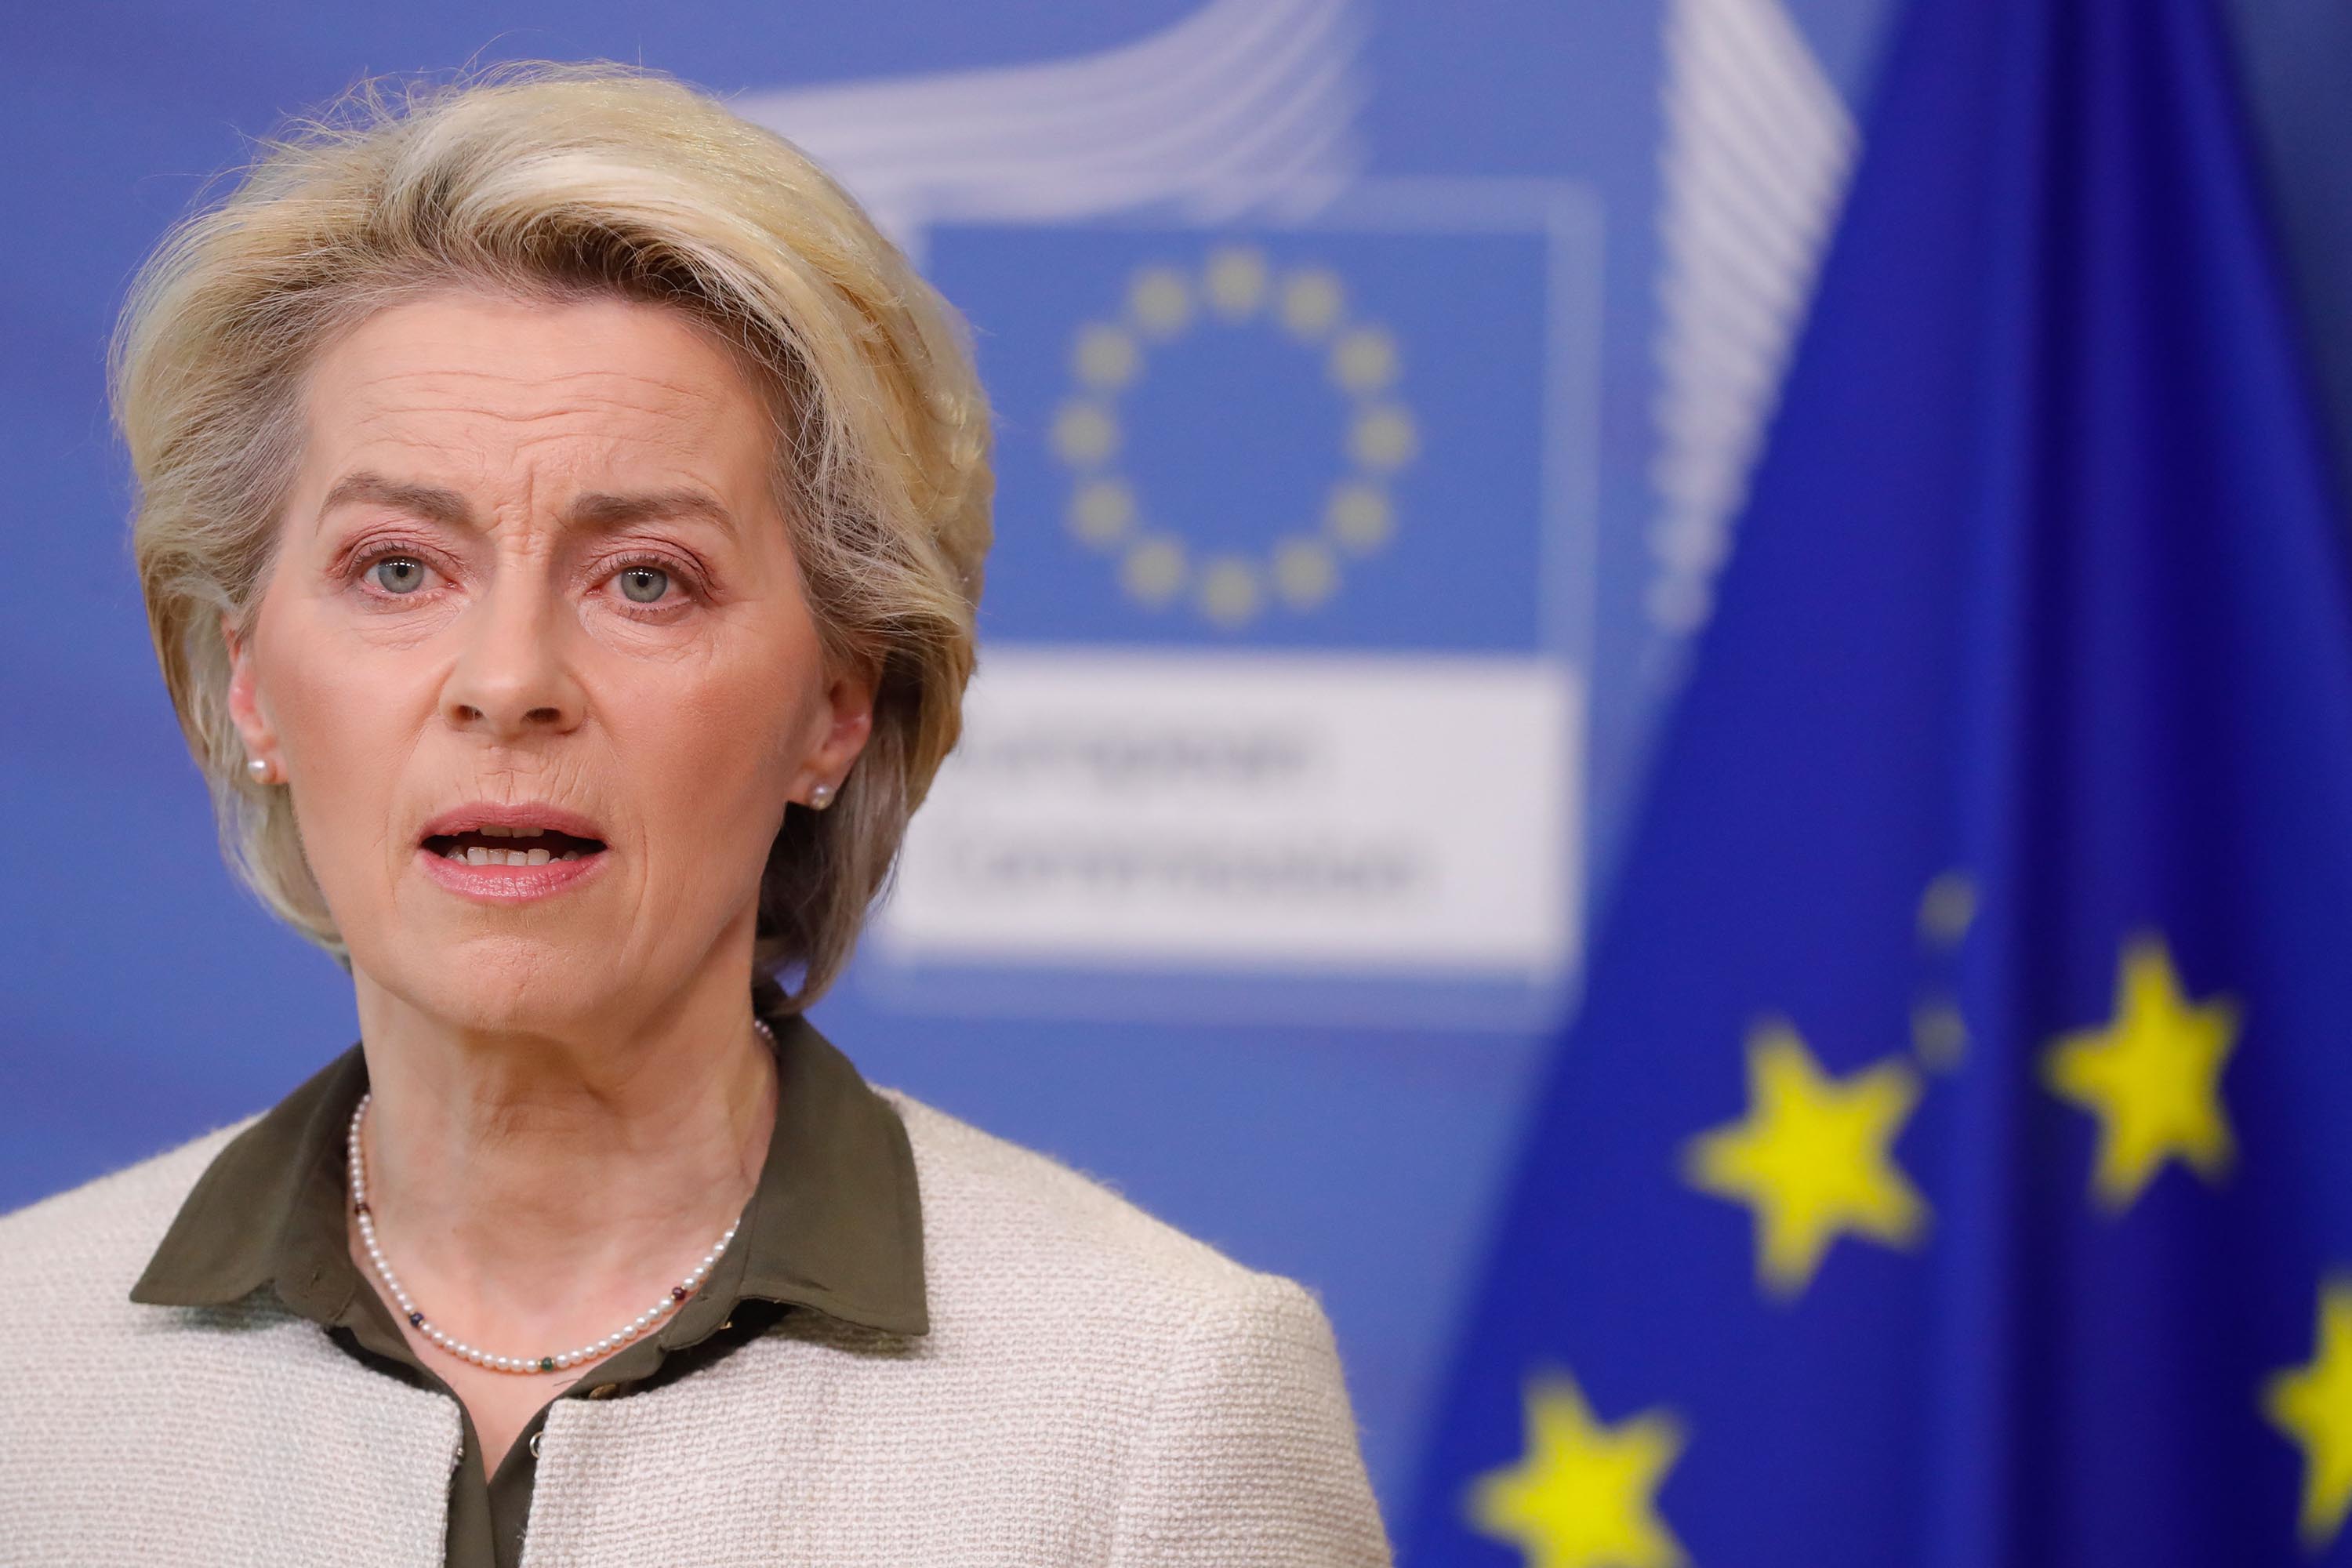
(555, 181)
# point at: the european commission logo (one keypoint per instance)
(1328, 435)
(1277, 503)
(1165, 308)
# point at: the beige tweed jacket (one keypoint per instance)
(1095, 1388)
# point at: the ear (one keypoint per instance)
(245, 708)
(848, 720)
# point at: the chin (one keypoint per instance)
(504, 983)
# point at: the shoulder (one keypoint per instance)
(1218, 1386)
(91, 1242)
(1030, 1215)
(1025, 1256)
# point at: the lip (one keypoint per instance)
(520, 813)
(510, 884)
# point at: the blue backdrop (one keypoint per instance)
(1407, 352)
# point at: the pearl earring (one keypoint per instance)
(260, 769)
(821, 796)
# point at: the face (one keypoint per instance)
(532, 573)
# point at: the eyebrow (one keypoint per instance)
(597, 510)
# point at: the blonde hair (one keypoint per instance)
(555, 181)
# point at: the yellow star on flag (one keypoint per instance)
(2312, 1404)
(1812, 1157)
(2153, 1077)
(1583, 1494)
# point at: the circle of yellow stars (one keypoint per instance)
(1237, 285)
(1813, 1158)
(1813, 1155)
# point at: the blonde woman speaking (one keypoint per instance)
(561, 515)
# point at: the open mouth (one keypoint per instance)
(511, 845)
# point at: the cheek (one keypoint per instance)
(723, 739)
(717, 750)
(345, 728)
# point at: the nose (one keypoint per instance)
(510, 680)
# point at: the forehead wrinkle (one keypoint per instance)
(430, 389)
(592, 424)
(406, 415)
(585, 451)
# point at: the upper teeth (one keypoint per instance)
(476, 855)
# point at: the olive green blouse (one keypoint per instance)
(833, 1226)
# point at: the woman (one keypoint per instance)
(561, 515)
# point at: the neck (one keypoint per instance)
(529, 1180)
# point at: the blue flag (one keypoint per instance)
(1951, 1163)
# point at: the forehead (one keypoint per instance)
(474, 379)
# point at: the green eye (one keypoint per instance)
(645, 585)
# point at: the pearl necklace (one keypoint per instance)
(579, 1355)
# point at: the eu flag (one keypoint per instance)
(1951, 1163)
